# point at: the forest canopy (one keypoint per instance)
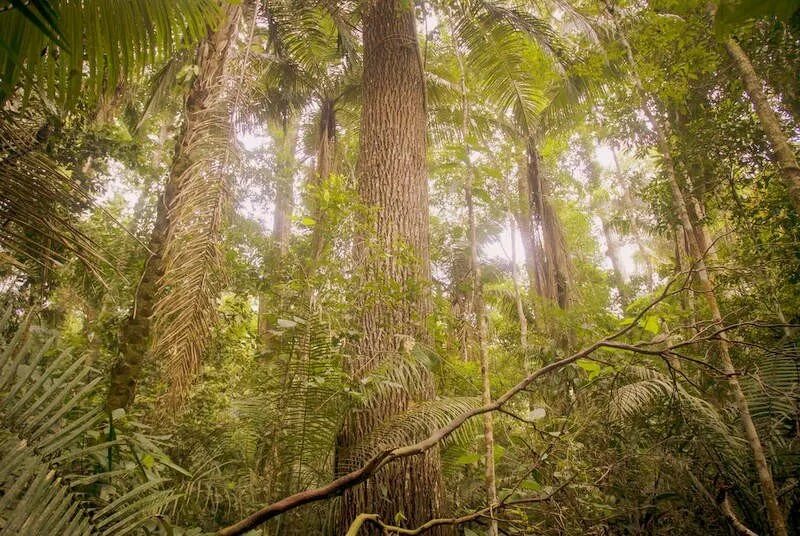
(394, 267)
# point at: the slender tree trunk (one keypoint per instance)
(135, 332)
(769, 494)
(783, 154)
(479, 307)
(394, 254)
(286, 136)
(521, 318)
(483, 349)
(770, 497)
(134, 339)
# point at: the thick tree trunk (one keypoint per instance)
(136, 331)
(394, 255)
(783, 154)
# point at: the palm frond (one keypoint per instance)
(40, 200)
(45, 416)
(101, 43)
(504, 61)
(185, 312)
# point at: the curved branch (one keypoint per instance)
(385, 457)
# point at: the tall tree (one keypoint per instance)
(196, 152)
(782, 151)
(394, 252)
(699, 247)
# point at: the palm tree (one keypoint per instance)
(184, 244)
(55, 55)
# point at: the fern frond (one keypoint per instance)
(419, 421)
(45, 417)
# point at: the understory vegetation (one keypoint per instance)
(443, 267)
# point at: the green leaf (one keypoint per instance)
(468, 458)
(591, 368)
(499, 451)
(530, 485)
(651, 324)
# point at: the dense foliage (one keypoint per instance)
(393, 267)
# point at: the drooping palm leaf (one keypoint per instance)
(100, 43)
(39, 200)
(185, 312)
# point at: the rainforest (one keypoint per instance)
(399, 267)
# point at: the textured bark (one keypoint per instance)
(783, 154)
(394, 254)
(136, 331)
(134, 336)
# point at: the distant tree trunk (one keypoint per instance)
(394, 254)
(644, 251)
(521, 318)
(600, 208)
(555, 279)
(783, 154)
(531, 245)
(136, 330)
(285, 167)
(286, 137)
(324, 166)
